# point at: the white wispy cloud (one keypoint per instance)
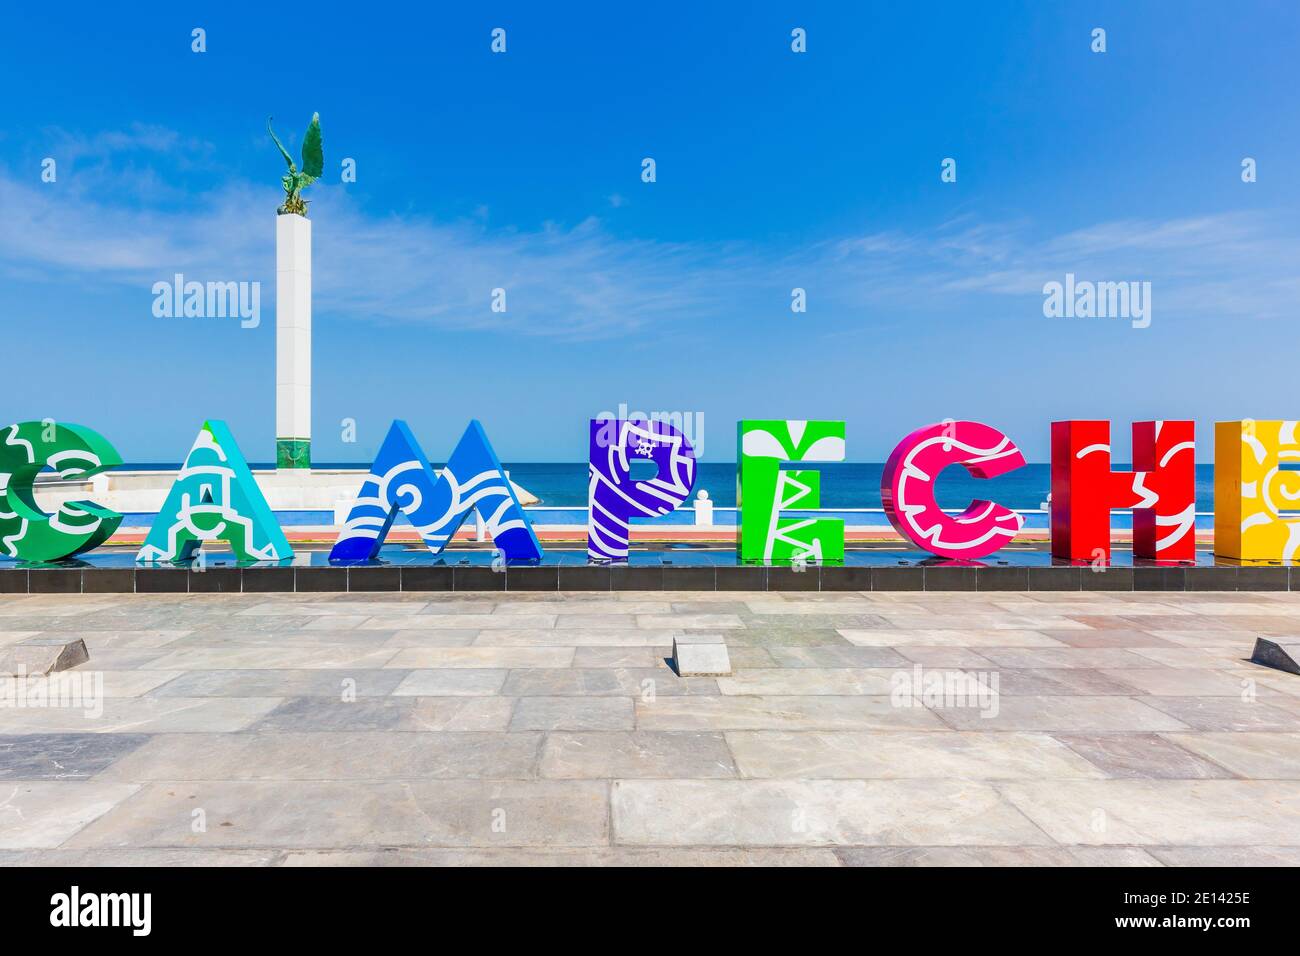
(579, 281)
(1234, 264)
(560, 281)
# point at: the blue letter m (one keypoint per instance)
(401, 479)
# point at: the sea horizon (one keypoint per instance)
(844, 484)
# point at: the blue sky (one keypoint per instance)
(775, 170)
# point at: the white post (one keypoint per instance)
(703, 509)
(292, 341)
(342, 508)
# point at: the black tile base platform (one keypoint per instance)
(91, 579)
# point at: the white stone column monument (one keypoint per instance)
(292, 341)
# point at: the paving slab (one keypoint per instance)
(455, 714)
(572, 713)
(984, 856)
(330, 814)
(837, 656)
(950, 637)
(1288, 856)
(1143, 756)
(576, 637)
(816, 813)
(821, 681)
(452, 682)
(1081, 714)
(1053, 681)
(647, 683)
(367, 755)
(479, 622)
(331, 714)
(141, 715)
(273, 682)
(588, 856)
(310, 657)
(1162, 812)
(1182, 682)
(499, 657)
(624, 657)
(62, 756)
(145, 858)
(781, 713)
(898, 755)
(1258, 756)
(440, 638)
(45, 813)
(1225, 713)
(636, 754)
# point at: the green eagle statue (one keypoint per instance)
(313, 164)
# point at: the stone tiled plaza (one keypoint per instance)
(249, 729)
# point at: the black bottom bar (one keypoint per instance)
(949, 906)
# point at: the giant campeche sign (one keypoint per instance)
(216, 498)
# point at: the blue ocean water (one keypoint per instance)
(844, 484)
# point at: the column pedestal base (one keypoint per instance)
(293, 453)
